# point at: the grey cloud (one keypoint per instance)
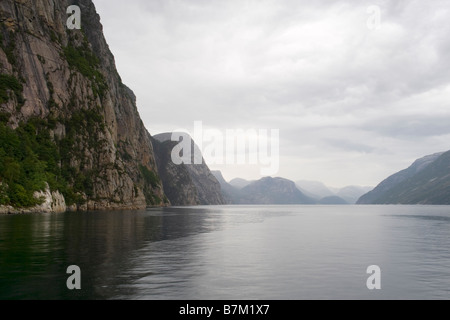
(411, 128)
(350, 146)
(310, 68)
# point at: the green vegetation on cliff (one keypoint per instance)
(77, 135)
(28, 159)
(85, 124)
(10, 83)
(84, 61)
(8, 48)
(153, 181)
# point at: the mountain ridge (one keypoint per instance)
(273, 191)
(398, 178)
(268, 190)
(426, 181)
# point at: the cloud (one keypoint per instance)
(340, 93)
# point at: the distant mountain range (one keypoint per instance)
(317, 190)
(273, 191)
(240, 183)
(195, 184)
(314, 189)
(426, 181)
(283, 191)
(351, 194)
(332, 200)
(268, 191)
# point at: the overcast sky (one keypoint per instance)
(354, 101)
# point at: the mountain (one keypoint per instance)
(272, 191)
(309, 194)
(231, 194)
(266, 191)
(70, 130)
(351, 194)
(318, 190)
(426, 181)
(281, 191)
(333, 200)
(177, 182)
(185, 184)
(240, 183)
(314, 189)
(382, 193)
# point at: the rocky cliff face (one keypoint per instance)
(186, 184)
(178, 185)
(61, 96)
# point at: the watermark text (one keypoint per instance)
(231, 147)
(74, 21)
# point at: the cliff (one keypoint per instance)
(186, 184)
(66, 118)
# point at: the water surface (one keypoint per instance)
(229, 252)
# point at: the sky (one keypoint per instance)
(357, 89)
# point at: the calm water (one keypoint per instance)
(288, 252)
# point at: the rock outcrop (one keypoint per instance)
(62, 86)
(52, 202)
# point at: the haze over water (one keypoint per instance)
(230, 252)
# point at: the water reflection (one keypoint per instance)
(37, 249)
(241, 252)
